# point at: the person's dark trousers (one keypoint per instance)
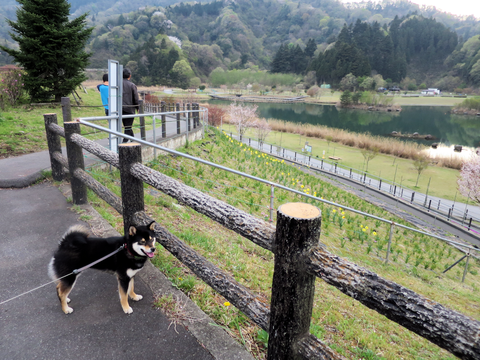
(127, 124)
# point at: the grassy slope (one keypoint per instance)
(345, 325)
(443, 181)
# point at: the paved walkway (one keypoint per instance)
(33, 218)
(34, 327)
(22, 171)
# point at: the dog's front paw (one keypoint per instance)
(128, 310)
(68, 300)
(68, 310)
(137, 297)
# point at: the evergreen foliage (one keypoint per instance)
(51, 47)
(153, 63)
(292, 59)
(296, 38)
(363, 47)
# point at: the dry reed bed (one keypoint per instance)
(389, 146)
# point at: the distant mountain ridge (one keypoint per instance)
(231, 34)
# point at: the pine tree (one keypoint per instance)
(299, 61)
(281, 61)
(345, 35)
(310, 48)
(51, 48)
(163, 44)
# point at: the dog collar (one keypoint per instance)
(136, 257)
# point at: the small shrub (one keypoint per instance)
(313, 91)
(346, 98)
(215, 114)
(11, 88)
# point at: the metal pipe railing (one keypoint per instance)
(269, 183)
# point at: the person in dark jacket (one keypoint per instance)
(129, 102)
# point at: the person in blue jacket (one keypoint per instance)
(103, 89)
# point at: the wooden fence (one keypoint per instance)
(299, 257)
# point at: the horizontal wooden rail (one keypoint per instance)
(246, 225)
(254, 306)
(96, 149)
(91, 146)
(446, 328)
(56, 129)
(102, 191)
(311, 347)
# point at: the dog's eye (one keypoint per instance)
(142, 242)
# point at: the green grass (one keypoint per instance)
(345, 325)
(22, 129)
(443, 181)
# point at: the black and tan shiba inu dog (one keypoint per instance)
(77, 249)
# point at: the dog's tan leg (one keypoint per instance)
(62, 291)
(131, 293)
(122, 291)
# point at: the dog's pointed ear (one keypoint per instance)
(132, 230)
(151, 226)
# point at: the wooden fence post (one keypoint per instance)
(164, 120)
(196, 116)
(177, 108)
(66, 109)
(141, 110)
(189, 116)
(75, 161)
(297, 231)
(132, 188)
(54, 144)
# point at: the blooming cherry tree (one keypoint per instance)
(243, 117)
(469, 180)
(11, 88)
(263, 129)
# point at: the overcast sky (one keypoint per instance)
(457, 7)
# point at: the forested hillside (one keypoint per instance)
(465, 62)
(395, 39)
(363, 48)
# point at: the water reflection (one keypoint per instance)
(434, 120)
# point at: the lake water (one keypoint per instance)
(434, 120)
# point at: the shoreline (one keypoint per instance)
(468, 112)
(369, 108)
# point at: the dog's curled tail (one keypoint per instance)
(74, 235)
(75, 229)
